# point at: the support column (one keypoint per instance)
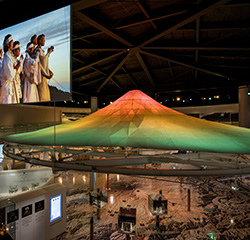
(91, 181)
(98, 213)
(108, 188)
(94, 104)
(188, 200)
(92, 228)
(244, 108)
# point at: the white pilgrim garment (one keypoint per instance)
(8, 74)
(1, 61)
(30, 91)
(43, 88)
(17, 82)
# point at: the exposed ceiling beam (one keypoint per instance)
(199, 48)
(213, 28)
(93, 23)
(86, 4)
(222, 57)
(113, 72)
(129, 75)
(197, 40)
(87, 36)
(189, 65)
(84, 40)
(186, 19)
(98, 49)
(137, 54)
(116, 83)
(96, 80)
(151, 19)
(146, 14)
(238, 4)
(97, 62)
(94, 68)
(91, 82)
(151, 70)
(226, 66)
(171, 71)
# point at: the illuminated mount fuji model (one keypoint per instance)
(137, 120)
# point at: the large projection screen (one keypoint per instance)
(56, 28)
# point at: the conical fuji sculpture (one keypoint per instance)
(137, 120)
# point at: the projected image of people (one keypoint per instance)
(44, 73)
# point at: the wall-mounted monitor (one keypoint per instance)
(44, 74)
(1, 153)
(55, 207)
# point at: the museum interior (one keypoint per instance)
(125, 119)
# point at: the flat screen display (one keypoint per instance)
(1, 153)
(42, 78)
(55, 207)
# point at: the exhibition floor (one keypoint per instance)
(217, 211)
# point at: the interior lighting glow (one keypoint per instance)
(111, 199)
(178, 99)
(84, 179)
(60, 180)
(210, 99)
(235, 186)
(85, 102)
(217, 96)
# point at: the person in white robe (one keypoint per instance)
(17, 81)
(1, 61)
(33, 39)
(31, 76)
(8, 73)
(1, 57)
(46, 73)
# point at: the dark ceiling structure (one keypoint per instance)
(159, 47)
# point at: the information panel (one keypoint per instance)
(1, 153)
(55, 208)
